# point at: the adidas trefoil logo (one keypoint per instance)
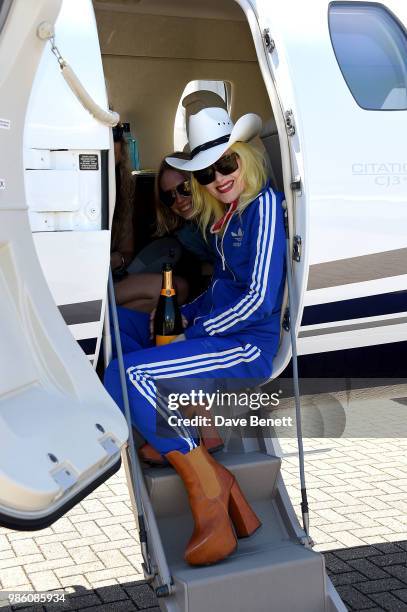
(237, 237)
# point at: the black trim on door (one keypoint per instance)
(361, 364)
(81, 312)
(104, 174)
(356, 308)
(88, 345)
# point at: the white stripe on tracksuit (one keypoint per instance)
(191, 358)
(258, 287)
(208, 359)
(143, 376)
(148, 389)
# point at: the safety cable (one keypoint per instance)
(304, 500)
(56, 52)
(136, 476)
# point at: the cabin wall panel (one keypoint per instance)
(149, 59)
(146, 92)
(207, 9)
(162, 36)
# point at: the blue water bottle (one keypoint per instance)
(133, 147)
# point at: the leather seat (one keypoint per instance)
(270, 140)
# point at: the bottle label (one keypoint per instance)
(161, 340)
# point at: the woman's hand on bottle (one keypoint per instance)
(179, 338)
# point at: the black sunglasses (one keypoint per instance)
(168, 197)
(225, 165)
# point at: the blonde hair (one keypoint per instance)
(167, 221)
(253, 175)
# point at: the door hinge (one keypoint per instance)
(268, 41)
(297, 248)
(296, 184)
(289, 122)
(286, 319)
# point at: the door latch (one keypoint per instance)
(289, 122)
(297, 248)
(268, 41)
(296, 184)
(286, 320)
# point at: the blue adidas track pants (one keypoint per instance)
(199, 362)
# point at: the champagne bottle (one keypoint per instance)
(167, 320)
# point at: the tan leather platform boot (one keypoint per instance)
(212, 492)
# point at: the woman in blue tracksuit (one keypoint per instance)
(232, 330)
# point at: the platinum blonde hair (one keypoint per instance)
(253, 174)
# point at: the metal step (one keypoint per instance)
(168, 495)
(269, 571)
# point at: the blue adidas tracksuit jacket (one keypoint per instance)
(233, 327)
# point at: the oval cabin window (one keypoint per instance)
(370, 45)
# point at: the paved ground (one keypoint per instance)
(370, 578)
(357, 485)
(357, 489)
(357, 492)
(92, 553)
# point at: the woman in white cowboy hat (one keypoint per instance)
(232, 329)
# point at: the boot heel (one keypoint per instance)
(210, 438)
(242, 515)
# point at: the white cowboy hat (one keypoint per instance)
(211, 131)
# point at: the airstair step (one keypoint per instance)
(268, 571)
(256, 473)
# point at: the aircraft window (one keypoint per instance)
(180, 134)
(370, 46)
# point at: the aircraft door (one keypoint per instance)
(61, 434)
